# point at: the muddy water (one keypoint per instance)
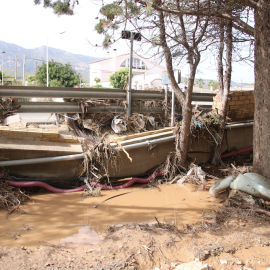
(60, 218)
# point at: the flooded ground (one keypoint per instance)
(64, 218)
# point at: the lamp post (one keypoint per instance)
(48, 55)
(3, 67)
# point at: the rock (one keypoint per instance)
(223, 262)
(157, 268)
(229, 250)
(90, 250)
(193, 266)
(174, 264)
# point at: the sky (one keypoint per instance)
(30, 26)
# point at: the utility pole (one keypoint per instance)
(89, 75)
(3, 67)
(130, 76)
(131, 36)
(15, 67)
(24, 57)
(36, 71)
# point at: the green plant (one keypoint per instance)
(118, 79)
(97, 80)
(59, 75)
(96, 86)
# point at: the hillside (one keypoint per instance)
(38, 55)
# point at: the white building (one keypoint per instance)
(147, 74)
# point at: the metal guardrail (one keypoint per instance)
(77, 93)
(86, 93)
(71, 107)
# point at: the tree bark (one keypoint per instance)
(262, 90)
(187, 114)
(224, 90)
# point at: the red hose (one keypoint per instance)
(103, 187)
(237, 152)
(129, 183)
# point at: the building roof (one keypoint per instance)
(111, 58)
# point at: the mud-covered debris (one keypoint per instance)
(96, 192)
(118, 125)
(195, 175)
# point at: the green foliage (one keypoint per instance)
(24, 99)
(200, 82)
(55, 83)
(213, 83)
(155, 41)
(111, 10)
(19, 83)
(31, 78)
(118, 79)
(148, 9)
(107, 41)
(59, 7)
(100, 27)
(97, 80)
(114, 15)
(59, 75)
(97, 86)
(14, 82)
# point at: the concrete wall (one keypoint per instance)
(145, 159)
(16, 144)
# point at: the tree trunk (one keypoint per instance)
(261, 159)
(187, 114)
(223, 92)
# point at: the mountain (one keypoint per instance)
(38, 55)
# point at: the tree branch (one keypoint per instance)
(246, 27)
(168, 58)
(249, 3)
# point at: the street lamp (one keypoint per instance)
(48, 55)
(3, 67)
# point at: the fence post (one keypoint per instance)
(130, 77)
(166, 100)
(172, 114)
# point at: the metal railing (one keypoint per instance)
(87, 93)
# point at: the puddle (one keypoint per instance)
(85, 236)
(59, 218)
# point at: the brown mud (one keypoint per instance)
(189, 226)
(61, 218)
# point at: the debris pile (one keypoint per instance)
(5, 110)
(11, 197)
(195, 176)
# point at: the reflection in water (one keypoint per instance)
(57, 217)
(85, 236)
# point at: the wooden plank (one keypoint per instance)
(147, 133)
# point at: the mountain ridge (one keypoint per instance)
(38, 55)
